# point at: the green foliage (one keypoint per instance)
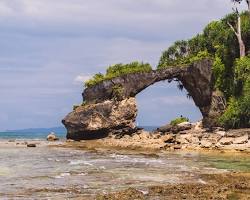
(119, 70)
(97, 78)
(237, 114)
(218, 71)
(242, 70)
(232, 75)
(182, 60)
(217, 41)
(117, 91)
(178, 121)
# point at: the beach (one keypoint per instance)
(84, 170)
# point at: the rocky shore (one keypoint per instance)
(215, 186)
(185, 136)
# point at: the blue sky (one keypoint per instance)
(48, 48)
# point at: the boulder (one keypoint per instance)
(52, 137)
(96, 121)
(165, 129)
(241, 140)
(226, 140)
(205, 143)
(238, 132)
(168, 138)
(31, 145)
(175, 128)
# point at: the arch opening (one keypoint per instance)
(162, 102)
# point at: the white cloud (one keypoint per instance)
(49, 47)
(171, 100)
(80, 79)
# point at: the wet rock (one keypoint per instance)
(52, 137)
(31, 145)
(129, 194)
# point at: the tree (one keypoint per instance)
(247, 2)
(237, 31)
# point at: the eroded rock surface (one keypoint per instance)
(110, 106)
(98, 120)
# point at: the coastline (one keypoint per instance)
(223, 185)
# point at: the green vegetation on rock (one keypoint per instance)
(118, 70)
(237, 114)
(231, 73)
(218, 42)
(178, 121)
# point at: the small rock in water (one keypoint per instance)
(52, 137)
(31, 145)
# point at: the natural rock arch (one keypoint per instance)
(110, 106)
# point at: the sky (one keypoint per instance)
(48, 48)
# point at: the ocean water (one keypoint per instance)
(34, 134)
(29, 135)
(47, 172)
(63, 173)
(43, 133)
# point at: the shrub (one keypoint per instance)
(180, 61)
(218, 71)
(117, 91)
(230, 119)
(119, 70)
(178, 121)
(237, 114)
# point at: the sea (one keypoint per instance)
(33, 134)
(58, 172)
(42, 133)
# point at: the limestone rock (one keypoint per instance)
(106, 112)
(226, 141)
(52, 137)
(98, 120)
(238, 133)
(31, 145)
(175, 128)
(206, 144)
(241, 140)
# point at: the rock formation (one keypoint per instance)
(110, 106)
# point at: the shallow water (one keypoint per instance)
(58, 173)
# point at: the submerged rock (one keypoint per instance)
(52, 137)
(31, 145)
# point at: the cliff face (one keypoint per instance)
(111, 106)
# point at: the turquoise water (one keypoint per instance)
(58, 173)
(42, 133)
(29, 135)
